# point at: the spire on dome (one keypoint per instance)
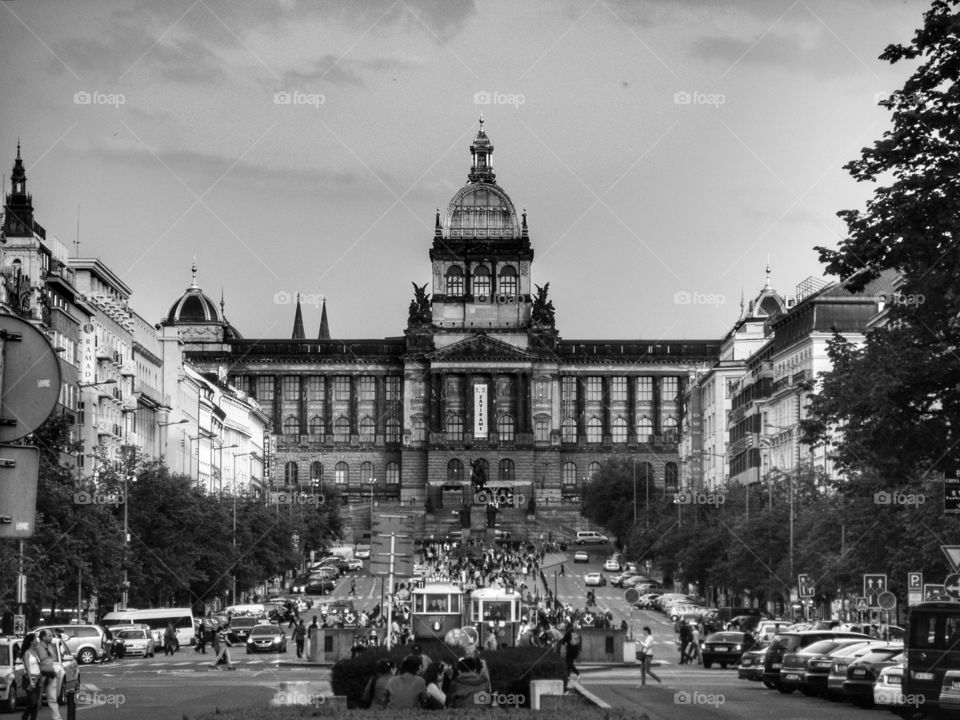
(437, 229)
(324, 325)
(298, 333)
(193, 269)
(766, 284)
(481, 150)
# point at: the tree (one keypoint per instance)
(608, 498)
(897, 398)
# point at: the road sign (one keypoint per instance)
(19, 469)
(887, 600)
(861, 604)
(951, 494)
(19, 624)
(31, 378)
(953, 556)
(933, 592)
(631, 595)
(873, 585)
(951, 586)
(914, 588)
(805, 586)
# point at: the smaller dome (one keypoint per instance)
(194, 307)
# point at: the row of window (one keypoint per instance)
(341, 473)
(618, 430)
(367, 428)
(481, 281)
(315, 387)
(669, 389)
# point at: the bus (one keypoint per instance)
(157, 619)
(932, 649)
(437, 608)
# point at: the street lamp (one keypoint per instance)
(233, 576)
(793, 432)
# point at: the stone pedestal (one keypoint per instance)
(541, 688)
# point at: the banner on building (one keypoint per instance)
(480, 411)
(88, 353)
(266, 456)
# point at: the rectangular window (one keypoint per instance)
(541, 389)
(568, 396)
(393, 389)
(341, 388)
(367, 388)
(541, 430)
(265, 388)
(670, 388)
(645, 390)
(291, 387)
(618, 389)
(315, 388)
(594, 389)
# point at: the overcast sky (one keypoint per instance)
(663, 150)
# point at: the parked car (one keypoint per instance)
(12, 692)
(725, 648)
(840, 660)
(355, 564)
(594, 579)
(362, 552)
(135, 640)
(581, 556)
(240, 628)
(862, 674)
(266, 638)
(807, 669)
(334, 562)
(320, 587)
(612, 565)
(646, 600)
(751, 663)
(87, 643)
(790, 642)
(617, 580)
(888, 690)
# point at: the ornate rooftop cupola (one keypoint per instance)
(481, 150)
(18, 209)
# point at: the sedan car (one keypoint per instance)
(594, 578)
(135, 640)
(862, 674)
(841, 660)
(240, 628)
(888, 690)
(617, 580)
(646, 600)
(266, 638)
(751, 663)
(362, 552)
(724, 648)
(581, 556)
(319, 587)
(355, 564)
(335, 562)
(806, 670)
(612, 565)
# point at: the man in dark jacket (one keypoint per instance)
(466, 684)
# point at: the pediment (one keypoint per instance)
(481, 347)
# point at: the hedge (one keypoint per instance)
(511, 669)
(479, 713)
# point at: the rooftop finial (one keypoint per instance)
(766, 285)
(222, 303)
(18, 146)
(481, 119)
(193, 269)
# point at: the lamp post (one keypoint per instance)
(233, 576)
(791, 476)
(221, 448)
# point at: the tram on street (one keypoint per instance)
(498, 610)
(436, 609)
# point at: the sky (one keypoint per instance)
(665, 150)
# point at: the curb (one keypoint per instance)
(589, 696)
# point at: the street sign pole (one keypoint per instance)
(393, 548)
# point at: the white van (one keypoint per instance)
(251, 610)
(585, 537)
(157, 619)
(343, 552)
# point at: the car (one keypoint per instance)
(590, 537)
(319, 587)
(646, 600)
(581, 556)
(87, 643)
(888, 690)
(840, 660)
(617, 580)
(355, 564)
(325, 572)
(751, 663)
(791, 642)
(863, 672)
(362, 552)
(594, 579)
(807, 670)
(12, 672)
(240, 628)
(135, 640)
(612, 565)
(725, 648)
(266, 638)
(339, 563)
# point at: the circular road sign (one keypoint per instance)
(887, 600)
(31, 379)
(951, 586)
(631, 596)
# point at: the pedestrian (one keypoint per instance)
(407, 690)
(299, 636)
(46, 657)
(563, 570)
(437, 678)
(353, 586)
(694, 652)
(646, 657)
(201, 637)
(571, 642)
(686, 638)
(32, 679)
(169, 640)
(223, 651)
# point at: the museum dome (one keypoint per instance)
(193, 306)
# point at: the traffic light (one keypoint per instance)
(19, 468)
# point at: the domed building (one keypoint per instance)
(480, 388)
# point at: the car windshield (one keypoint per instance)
(243, 622)
(266, 629)
(726, 637)
(940, 631)
(822, 647)
(787, 643)
(130, 634)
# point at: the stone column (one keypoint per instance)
(379, 404)
(605, 400)
(277, 404)
(436, 401)
(657, 405)
(354, 404)
(328, 406)
(304, 419)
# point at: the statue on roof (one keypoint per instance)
(420, 305)
(543, 312)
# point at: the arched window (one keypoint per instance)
(290, 473)
(594, 430)
(454, 471)
(316, 426)
(507, 470)
(291, 426)
(507, 284)
(593, 469)
(454, 428)
(619, 430)
(481, 281)
(454, 281)
(541, 429)
(505, 428)
(393, 473)
(419, 430)
(316, 470)
(392, 430)
(568, 431)
(670, 430)
(341, 473)
(341, 429)
(569, 473)
(671, 478)
(366, 472)
(644, 430)
(367, 430)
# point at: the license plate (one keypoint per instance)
(775, 666)
(746, 662)
(720, 649)
(923, 676)
(791, 676)
(858, 673)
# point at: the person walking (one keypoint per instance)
(223, 649)
(32, 679)
(353, 587)
(201, 637)
(169, 640)
(563, 570)
(47, 656)
(571, 642)
(646, 657)
(299, 637)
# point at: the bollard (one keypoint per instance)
(313, 649)
(71, 706)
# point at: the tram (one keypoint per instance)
(499, 610)
(436, 609)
